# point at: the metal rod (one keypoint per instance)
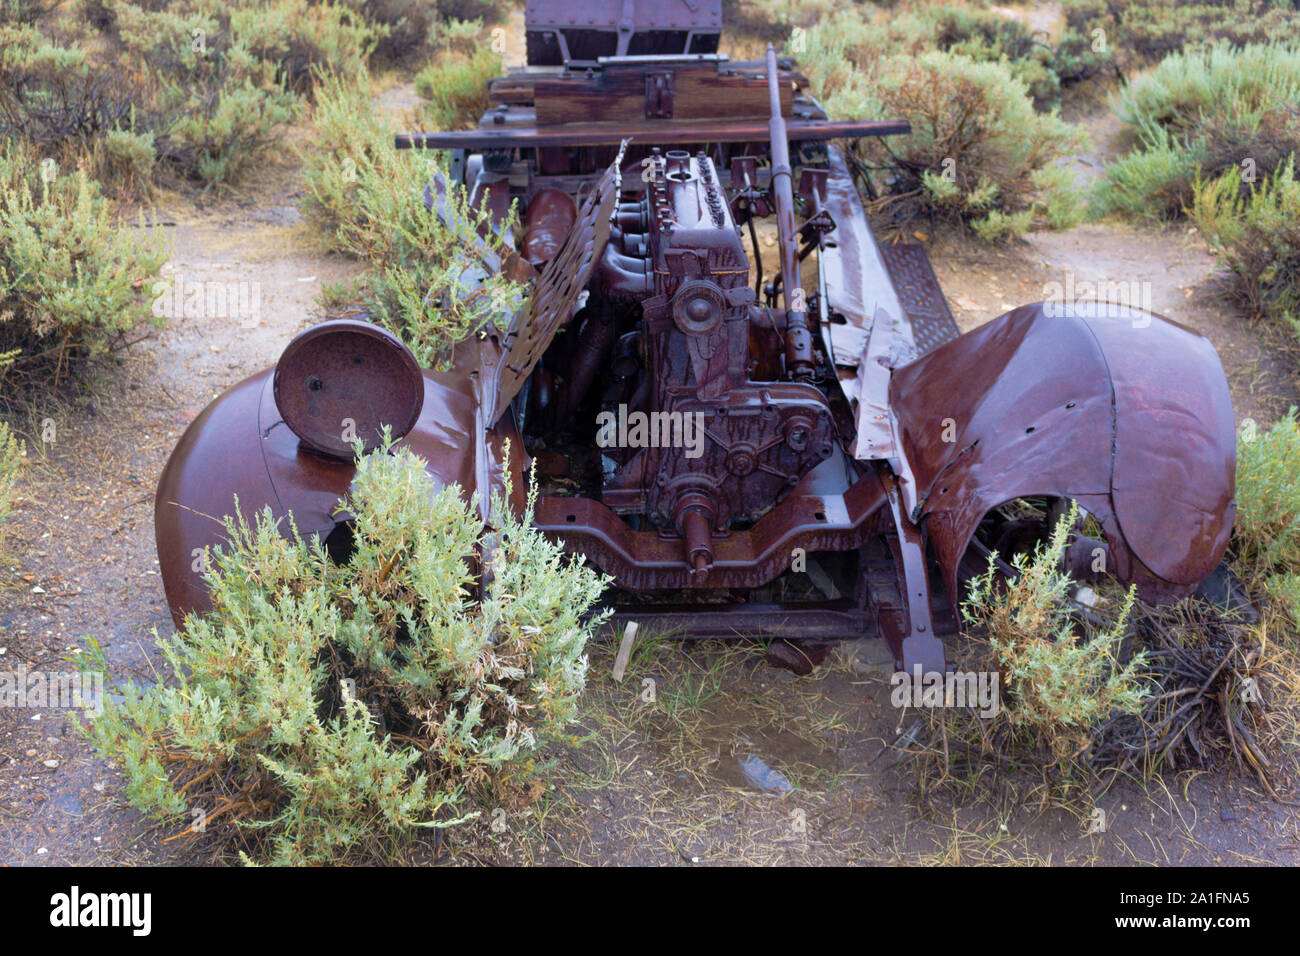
(798, 341)
(678, 133)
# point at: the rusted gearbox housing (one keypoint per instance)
(783, 458)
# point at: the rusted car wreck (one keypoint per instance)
(809, 455)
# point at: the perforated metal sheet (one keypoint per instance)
(918, 291)
(555, 296)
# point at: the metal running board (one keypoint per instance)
(918, 291)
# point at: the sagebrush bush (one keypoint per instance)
(71, 278)
(1255, 229)
(25, 11)
(455, 88)
(217, 138)
(1267, 530)
(124, 162)
(324, 705)
(983, 35)
(1200, 114)
(210, 85)
(300, 36)
(410, 28)
(53, 97)
(978, 152)
(11, 459)
(1139, 34)
(367, 197)
(1056, 682)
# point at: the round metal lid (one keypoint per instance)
(344, 380)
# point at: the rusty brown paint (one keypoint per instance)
(241, 447)
(884, 440)
(1126, 412)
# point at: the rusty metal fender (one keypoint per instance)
(240, 445)
(1122, 410)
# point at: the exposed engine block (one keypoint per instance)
(723, 449)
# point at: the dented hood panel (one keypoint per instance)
(1124, 411)
(240, 446)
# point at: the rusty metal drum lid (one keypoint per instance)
(344, 380)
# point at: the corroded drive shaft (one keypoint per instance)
(798, 341)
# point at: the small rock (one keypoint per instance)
(50, 763)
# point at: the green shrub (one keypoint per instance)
(51, 95)
(1056, 683)
(978, 152)
(1267, 531)
(325, 705)
(1140, 34)
(410, 28)
(216, 139)
(25, 11)
(366, 197)
(982, 35)
(212, 84)
(300, 36)
(1256, 231)
(455, 87)
(1152, 183)
(123, 162)
(11, 459)
(70, 277)
(1200, 114)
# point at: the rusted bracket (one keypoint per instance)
(919, 647)
(659, 96)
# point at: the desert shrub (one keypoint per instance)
(488, 11)
(302, 35)
(11, 459)
(1256, 231)
(123, 162)
(1140, 34)
(982, 35)
(1116, 687)
(1267, 531)
(212, 85)
(70, 277)
(987, 35)
(978, 153)
(52, 97)
(1217, 680)
(1057, 684)
(25, 11)
(407, 28)
(455, 88)
(1200, 114)
(772, 21)
(217, 138)
(324, 705)
(428, 280)
(350, 137)
(237, 40)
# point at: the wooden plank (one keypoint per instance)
(616, 94)
(624, 651)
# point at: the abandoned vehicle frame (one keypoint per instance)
(855, 452)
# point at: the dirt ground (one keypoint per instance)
(659, 781)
